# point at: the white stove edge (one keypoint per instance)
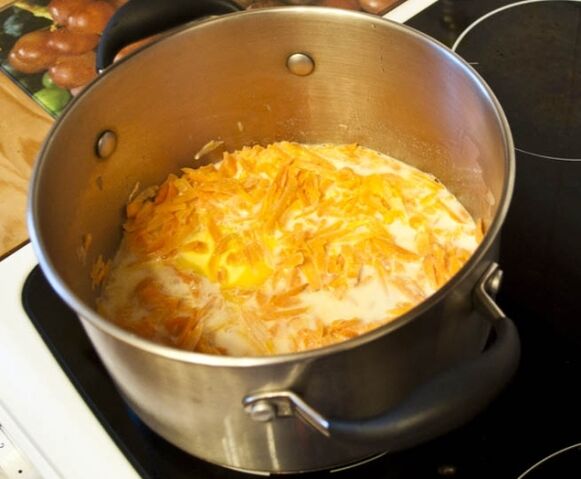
(40, 410)
(39, 407)
(408, 9)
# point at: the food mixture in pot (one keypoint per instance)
(284, 248)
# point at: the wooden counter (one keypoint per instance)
(23, 127)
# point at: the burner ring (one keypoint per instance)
(534, 70)
(543, 462)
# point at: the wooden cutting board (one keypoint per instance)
(23, 127)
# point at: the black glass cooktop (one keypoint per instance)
(535, 72)
(537, 415)
(530, 54)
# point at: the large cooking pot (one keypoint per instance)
(308, 75)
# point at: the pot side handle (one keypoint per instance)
(444, 403)
(139, 19)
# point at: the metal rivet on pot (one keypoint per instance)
(300, 64)
(106, 144)
(493, 284)
(261, 411)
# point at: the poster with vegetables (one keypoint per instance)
(48, 46)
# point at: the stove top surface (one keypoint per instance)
(537, 414)
(535, 72)
(537, 417)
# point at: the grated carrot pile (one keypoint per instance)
(257, 253)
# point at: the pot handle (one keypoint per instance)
(139, 19)
(442, 404)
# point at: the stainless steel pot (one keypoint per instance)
(308, 75)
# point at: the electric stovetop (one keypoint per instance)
(530, 54)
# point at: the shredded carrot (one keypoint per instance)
(99, 271)
(269, 227)
(83, 249)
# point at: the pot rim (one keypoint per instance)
(88, 315)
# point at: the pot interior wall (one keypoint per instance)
(226, 79)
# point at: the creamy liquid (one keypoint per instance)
(372, 237)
